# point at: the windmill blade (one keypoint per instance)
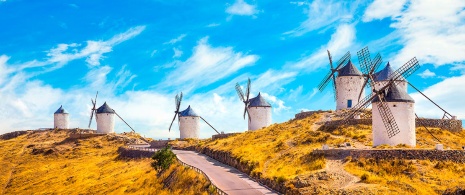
(209, 125)
(124, 121)
(248, 90)
(387, 117)
(91, 116)
(169, 129)
(245, 110)
(176, 101)
(406, 70)
(364, 59)
(343, 60)
(239, 92)
(445, 112)
(95, 102)
(180, 100)
(334, 87)
(325, 80)
(363, 86)
(377, 61)
(364, 103)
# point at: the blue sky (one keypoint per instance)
(139, 55)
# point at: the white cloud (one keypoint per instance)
(322, 14)
(153, 53)
(277, 104)
(339, 44)
(207, 65)
(427, 74)
(431, 31)
(175, 40)
(177, 53)
(240, 7)
(93, 51)
(447, 94)
(213, 25)
(380, 9)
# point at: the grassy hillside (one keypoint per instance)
(48, 162)
(283, 152)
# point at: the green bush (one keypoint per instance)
(163, 159)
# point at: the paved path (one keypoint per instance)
(228, 179)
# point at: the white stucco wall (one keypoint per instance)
(105, 123)
(189, 127)
(348, 88)
(260, 117)
(401, 84)
(61, 121)
(404, 114)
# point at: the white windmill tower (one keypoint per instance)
(393, 116)
(189, 121)
(257, 108)
(105, 117)
(61, 119)
(347, 84)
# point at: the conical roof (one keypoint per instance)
(396, 94)
(349, 70)
(258, 101)
(105, 109)
(188, 112)
(386, 74)
(61, 110)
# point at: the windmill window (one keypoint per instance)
(394, 105)
(349, 103)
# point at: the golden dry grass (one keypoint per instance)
(280, 151)
(409, 176)
(49, 163)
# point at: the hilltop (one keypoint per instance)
(47, 162)
(281, 155)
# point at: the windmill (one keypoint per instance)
(105, 117)
(61, 119)
(385, 122)
(188, 120)
(106, 122)
(346, 80)
(257, 109)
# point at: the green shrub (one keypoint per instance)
(163, 159)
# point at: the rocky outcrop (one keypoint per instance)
(126, 152)
(12, 135)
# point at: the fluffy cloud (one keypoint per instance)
(431, 31)
(240, 7)
(339, 44)
(321, 14)
(207, 65)
(380, 9)
(427, 74)
(175, 40)
(93, 51)
(446, 93)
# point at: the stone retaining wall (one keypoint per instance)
(446, 124)
(305, 114)
(131, 153)
(159, 143)
(407, 154)
(221, 136)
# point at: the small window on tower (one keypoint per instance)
(394, 105)
(349, 103)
